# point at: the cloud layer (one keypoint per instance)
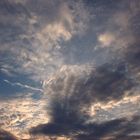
(69, 69)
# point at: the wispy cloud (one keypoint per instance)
(23, 86)
(38, 47)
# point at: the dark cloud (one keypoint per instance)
(5, 135)
(12, 7)
(122, 129)
(132, 56)
(108, 82)
(13, 20)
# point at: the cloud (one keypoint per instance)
(132, 56)
(5, 135)
(71, 93)
(17, 115)
(86, 54)
(118, 30)
(106, 39)
(38, 31)
(36, 34)
(102, 112)
(115, 129)
(23, 86)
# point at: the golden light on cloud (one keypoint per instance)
(106, 39)
(57, 30)
(19, 115)
(113, 104)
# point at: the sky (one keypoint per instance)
(69, 69)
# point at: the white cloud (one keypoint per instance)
(23, 85)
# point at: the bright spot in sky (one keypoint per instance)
(106, 39)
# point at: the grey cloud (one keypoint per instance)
(132, 56)
(13, 20)
(32, 31)
(106, 82)
(117, 22)
(121, 129)
(71, 93)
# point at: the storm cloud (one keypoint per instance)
(72, 94)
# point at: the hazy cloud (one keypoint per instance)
(40, 28)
